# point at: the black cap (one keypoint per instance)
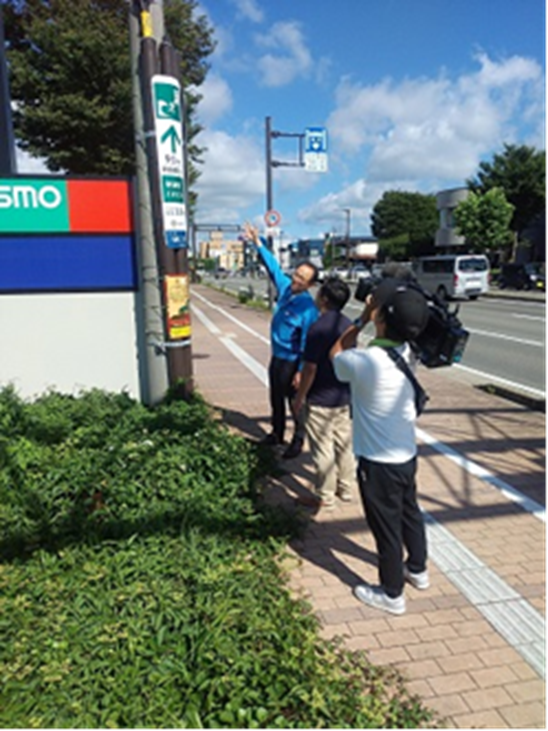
(404, 306)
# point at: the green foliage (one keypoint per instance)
(101, 466)
(484, 220)
(70, 79)
(520, 171)
(395, 248)
(400, 217)
(141, 584)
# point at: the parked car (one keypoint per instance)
(453, 275)
(522, 276)
(359, 271)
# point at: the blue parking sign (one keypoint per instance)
(315, 139)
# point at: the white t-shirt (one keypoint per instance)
(383, 403)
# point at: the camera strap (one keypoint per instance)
(421, 397)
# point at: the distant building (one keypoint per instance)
(228, 254)
(447, 201)
(361, 248)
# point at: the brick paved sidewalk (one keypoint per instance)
(472, 645)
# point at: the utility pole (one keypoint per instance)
(8, 164)
(162, 362)
(347, 238)
(270, 243)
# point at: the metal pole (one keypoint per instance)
(179, 358)
(347, 211)
(8, 161)
(268, 140)
(149, 298)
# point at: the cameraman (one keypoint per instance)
(384, 413)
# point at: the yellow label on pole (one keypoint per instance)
(146, 24)
(178, 306)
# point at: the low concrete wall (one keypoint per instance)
(69, 342)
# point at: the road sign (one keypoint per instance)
(272, 218)
(166, 96)
(315, 149)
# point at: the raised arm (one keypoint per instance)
(349, 337)
(275, 272)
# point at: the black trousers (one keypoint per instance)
(280, 376)
(389, 497)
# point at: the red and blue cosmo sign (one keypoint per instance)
(62, 234)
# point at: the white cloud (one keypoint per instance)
(329, 211)
(30, 165)
(250, 10)
(289, 57)
(419, 129)
(232, 177)
(216, 99)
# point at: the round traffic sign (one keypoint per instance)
(272, 218)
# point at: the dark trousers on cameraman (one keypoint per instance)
(389, 497)
(280, 376)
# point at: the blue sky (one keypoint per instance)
(413, 94)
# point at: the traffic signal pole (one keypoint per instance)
(270, 134)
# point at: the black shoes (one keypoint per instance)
(294, 449)
(271, 440)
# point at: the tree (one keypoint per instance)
(484, 220)
(520, 171)
(410, 220)
(70, 79)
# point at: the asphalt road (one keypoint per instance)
(506, 345)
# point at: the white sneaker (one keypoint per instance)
(376, 597)
(419, 581)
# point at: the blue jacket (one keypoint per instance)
(293, 313)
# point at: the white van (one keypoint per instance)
(454, 275)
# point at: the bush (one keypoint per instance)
(141, 584)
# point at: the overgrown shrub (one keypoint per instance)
(140, 585)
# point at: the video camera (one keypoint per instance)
(443, 340)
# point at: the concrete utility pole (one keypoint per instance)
(8, 164)
(347, 237)
(163, 362)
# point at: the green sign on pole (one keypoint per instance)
(166, 93)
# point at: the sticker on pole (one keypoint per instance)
(272, 218)
(177, 296)
(166, 97)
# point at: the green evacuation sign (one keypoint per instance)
(166, 94)
(28, 205)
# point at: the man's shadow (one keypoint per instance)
(321, 540)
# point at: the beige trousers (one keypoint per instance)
(329, 432)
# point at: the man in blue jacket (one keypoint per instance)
(294, 312)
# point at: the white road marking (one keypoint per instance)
(512, 384)
(500, 336)
(529, 317)
(231, 317)
(529, 505)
